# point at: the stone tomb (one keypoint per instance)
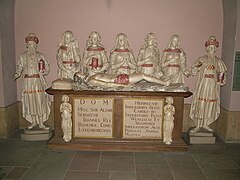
(118, 121)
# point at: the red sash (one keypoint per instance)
(173, 50)
(121, 50)
(31, 76)
(95, 49)
(147, 65)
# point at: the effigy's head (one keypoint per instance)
(79, 77)
(211, 45)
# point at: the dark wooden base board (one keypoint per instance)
(118, 145)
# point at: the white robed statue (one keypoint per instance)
(211, 70)
(33, 66)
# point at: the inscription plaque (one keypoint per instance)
(142, 118)
(93, 117)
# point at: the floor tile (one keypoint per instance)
(122, 176)
(4, 171)
(183, 166)
(2, 140)
(223, 174)
(153, 177)
(35, 161)
(150, 158)
(50, 165)
(84, 160)
(215, 161)
(233, 150)
(153, 172)
(79, 175)
(116, 163)
(237, 160)
(18, 157)
(208, 149)
(108, 153)
(13, 143)
(17, 173)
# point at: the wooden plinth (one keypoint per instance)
(117, 142)
(118, 145)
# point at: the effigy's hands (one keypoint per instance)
(97, 70)
(168, 82)
(159, 74)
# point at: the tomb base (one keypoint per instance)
(118, 121)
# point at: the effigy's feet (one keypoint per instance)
(32, 126)
(207, 128)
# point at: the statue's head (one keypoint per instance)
(121, 39)
(122, 42)
(67, 37)
(211, 45)
(94, 38)
(175, 41)
(151, 39)
(169, 100)
(65, 98)
(31, 40)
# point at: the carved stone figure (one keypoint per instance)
(149, 57)
(94, 57)
(121, 80)
(173, 61)
(121, 57)
(66, 114)
(211, 70)
(33, 66)
(68, 58)
(168, 125)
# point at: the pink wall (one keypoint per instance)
(8, 88)
(193, 20)
(1, 76)
(235, 95)
(231, 38)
